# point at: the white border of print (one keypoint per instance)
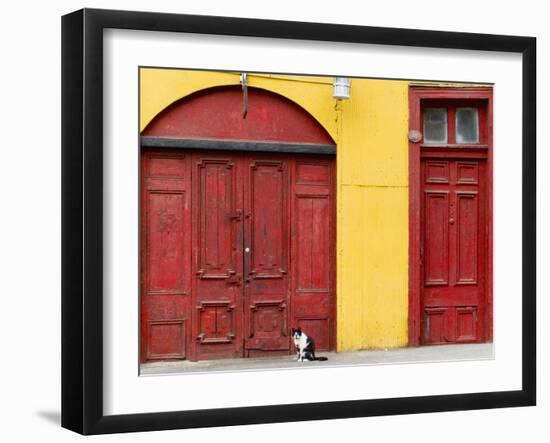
(125, 392)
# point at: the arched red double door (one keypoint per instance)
(237, 228)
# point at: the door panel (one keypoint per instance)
(453, 251)
(166, 339)
(314, 245)
(437, 323)
(466, 323)
(165, 233)
(467, 241)
(267, 214)
(216, 183)
(436, 246)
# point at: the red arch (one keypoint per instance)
(216, 113)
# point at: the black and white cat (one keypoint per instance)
(305, 347)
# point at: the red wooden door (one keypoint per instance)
(165, 262)
(313, 256)
(453, 249)
(243, 248)
(266, 248)
(217, 185)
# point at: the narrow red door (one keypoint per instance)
(165, 258)
(453, 249)
(217, 255)
(313, 249)
(266, 247)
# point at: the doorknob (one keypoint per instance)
(247, 250)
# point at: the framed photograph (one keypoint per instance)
(270, 221)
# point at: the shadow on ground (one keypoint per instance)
(54, 417)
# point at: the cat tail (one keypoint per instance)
(321, 359)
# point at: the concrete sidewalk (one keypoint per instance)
(439, 353)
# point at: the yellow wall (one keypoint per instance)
(370, 130)
(372, 243)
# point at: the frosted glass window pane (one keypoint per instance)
(467, 125)
(435, 125)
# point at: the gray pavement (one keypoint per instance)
(420, 354)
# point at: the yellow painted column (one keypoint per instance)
(373, 220)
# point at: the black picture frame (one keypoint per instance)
(82, 215)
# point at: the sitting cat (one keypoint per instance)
(305, 346)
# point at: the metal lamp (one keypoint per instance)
(342, 86)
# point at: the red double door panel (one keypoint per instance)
(453, 249)
(237, 248)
